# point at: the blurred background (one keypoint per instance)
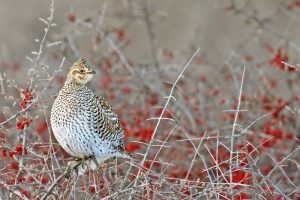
(214, 26)
(219, 28)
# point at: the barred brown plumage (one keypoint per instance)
(85, 125)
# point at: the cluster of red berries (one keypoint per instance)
(26, 98)
(25, 122)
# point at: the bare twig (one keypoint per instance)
(67, 172)
(234, 126)
(38, 54)
(161, 116)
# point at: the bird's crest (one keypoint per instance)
(81, 63)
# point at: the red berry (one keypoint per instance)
(71, 17)
(132, 147)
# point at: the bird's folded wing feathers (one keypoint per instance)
(108, 118)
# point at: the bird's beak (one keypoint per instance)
(91, 72)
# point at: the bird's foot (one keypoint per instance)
(72, 169)
(80, 160)
(72, 165)
(78, 166)
(94, 160)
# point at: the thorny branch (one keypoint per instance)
(161, 115)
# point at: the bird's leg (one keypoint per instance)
(77, 159)
(95, 160)
(84, 158)
(80, 160)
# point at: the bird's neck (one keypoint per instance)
(72, 85)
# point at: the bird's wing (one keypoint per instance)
(108, 121)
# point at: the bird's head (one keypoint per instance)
(81, 73)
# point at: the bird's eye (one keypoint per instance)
(81, 71)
